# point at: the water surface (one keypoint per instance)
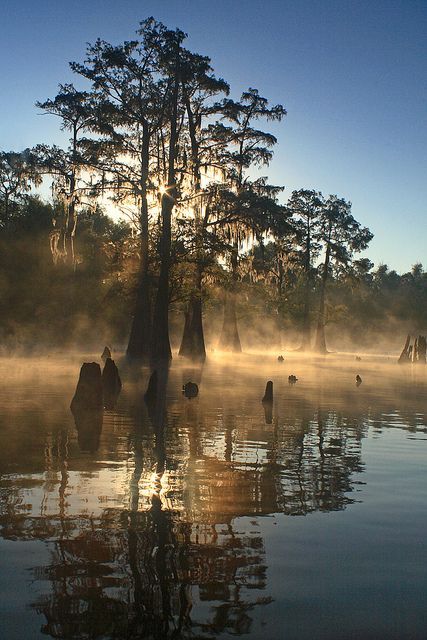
(214, 517)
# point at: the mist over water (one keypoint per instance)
(216, 516)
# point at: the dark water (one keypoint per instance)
(208, 518)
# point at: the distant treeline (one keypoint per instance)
(43, 304)
(206, 245)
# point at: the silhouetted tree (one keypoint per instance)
(18, 174)
(341, 236)
(74, 109)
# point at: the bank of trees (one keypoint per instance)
(155, 135)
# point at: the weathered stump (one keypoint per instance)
(111, 384)
(190, 389)
(268, 395)
(106, 353)
(422, 349)
(405, 355)
(88, 393)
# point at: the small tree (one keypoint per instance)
(73, 107)
(18, 174)
(252, 203)
(306, 206)
(341, 236)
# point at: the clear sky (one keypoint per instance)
(351, 73)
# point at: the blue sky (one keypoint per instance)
(352, 75)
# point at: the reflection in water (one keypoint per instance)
(89, 427)
(157, 534)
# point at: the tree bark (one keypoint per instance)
(306, 337)
(140, 334)
(320, 340)
(161, 349)
(193, 340)
(229, 339)
(71, 221)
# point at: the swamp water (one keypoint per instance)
(210, 518)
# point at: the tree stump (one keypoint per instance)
(268, 395)
(106, 353)
(405, 355)
(111, 384)
(88, 393)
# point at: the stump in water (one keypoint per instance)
(111, 384)
(89, 427)
(405, 355)
(268, 395)
(151, 393)
(422, 349)
(106, 353)
(88, 393)
(190, 389)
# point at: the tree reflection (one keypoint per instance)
(176, 558)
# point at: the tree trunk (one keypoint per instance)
(71, 221)
(422, 349)
(320, 340)
(229, 339)
(161, 349)
(140, 334)
(70, 226)
(306, 337)
(193, 341)
(404, 356)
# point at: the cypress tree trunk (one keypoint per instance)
(320, 340)
(185, 347)
(161, 349)
(71, 221)
(306, 337)
(140, 334)
(193, 340)
(229, 339)
(70, 230)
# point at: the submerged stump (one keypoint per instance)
(106, 353)
(89, 394)
(190, 389)
(111, 383)
(268, 395)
